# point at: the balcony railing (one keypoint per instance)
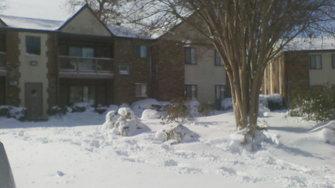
(83, 64)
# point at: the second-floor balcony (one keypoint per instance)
(85, 67)
(3, 69)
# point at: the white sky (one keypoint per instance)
(45, 9)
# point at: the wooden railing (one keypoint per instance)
(85, 65)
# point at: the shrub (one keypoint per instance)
(205, 109)
(57, 110)
(177, 111)
(18, 113)
(317, 104)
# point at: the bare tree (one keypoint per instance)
(105, 10)
(248, 34)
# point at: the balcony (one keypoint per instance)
(3, 69)
(82, 67)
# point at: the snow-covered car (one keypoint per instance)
(6, 176)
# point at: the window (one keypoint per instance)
(315, 62)
(333, 61)
(84, 94)
(141, 90)
(143, 51)
(81, 52)
(191, 91)
(33, 45)
(217, 59)
(124, 69)
(191, 54)
(219, 92)
(84, 62)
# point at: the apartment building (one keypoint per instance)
(44, 63)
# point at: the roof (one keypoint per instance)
(124, 25)
(31, 23)
(311, 44)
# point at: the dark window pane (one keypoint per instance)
(143, 51)
(315, 62)
(33, 45)
(218, 60)
(190, 55)
(191, 91)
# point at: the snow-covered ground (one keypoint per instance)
(75, 152)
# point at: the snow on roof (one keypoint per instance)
(136, 19)
(305, 44)
(31, 23)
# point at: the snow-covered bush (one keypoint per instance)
(176, 134)
(151, 114)
(178, 111)
(263, 110)
(317, 104)
(102, 109)
(227, 104)
(81, 107)
(205, 109)
(123, 122)
(18, 113)
(141, 105)
(57, 110)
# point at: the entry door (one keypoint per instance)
(34, 100)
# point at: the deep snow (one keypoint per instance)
(73, 152)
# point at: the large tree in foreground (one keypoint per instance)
(248, 34)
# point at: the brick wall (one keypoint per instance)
(169, 70)
(297, 72)
(126, 52)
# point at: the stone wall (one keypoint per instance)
(13, 75)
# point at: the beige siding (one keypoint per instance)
(33, 73)
(326, 75)
(205, 74)
(86, 23)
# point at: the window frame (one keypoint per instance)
(143, 55)
(123, 72)
(29, 45)
(190, 56)
(141, 94)
(333, 61)
(311, 63)
(219, 87)
(217, 59)
(87, 94)
(191, 87)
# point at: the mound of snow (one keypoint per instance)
(177, 134)
(241, 141)
(263, 111)
(151, 114)
(123, 122)
(328, 133)
(227, 103)
(140, 106)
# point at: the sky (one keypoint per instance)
(45, 9)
